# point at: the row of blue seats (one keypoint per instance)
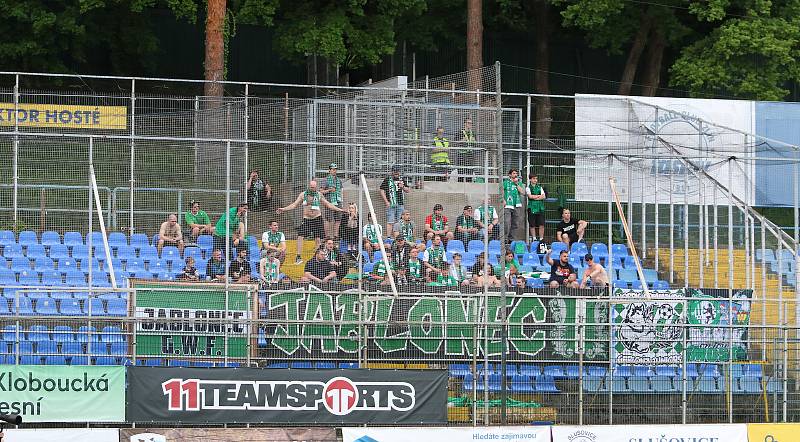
(693, 370)
(108, 360)
(25, 306)
(44, 348)
(666, 384)
(62, 333)
(310, 364)
(518, 383)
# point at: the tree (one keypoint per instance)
(215, 48)
(474, 42)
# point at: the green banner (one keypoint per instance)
(187, 320)
(60, 393)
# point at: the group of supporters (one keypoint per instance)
(413, 255)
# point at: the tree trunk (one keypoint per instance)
(215, 48)
(639, 41)
(541, 77)
(655, 55)
(474, 43)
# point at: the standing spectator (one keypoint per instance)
(561, 272)
(440, 158)
(189, 272)
(392, 189)
(372, 235)
(215, 269)
(536, 196)
(512, 189)
(415, 266)
(312, 226)
(467, 227)
(332, 189)
(236, 231)
(240, 269)
(487, 216)
(436, 224)
(332, 255)
(274, 240)
(435, 260)
(594, 275)
(318, 269)
(170, 234)
(258, 192)
(348, 230)
(468, 156)
(197, 221)
(568, 230)
(399, 255)
(457, 272)
(269, 268)
(405, 227)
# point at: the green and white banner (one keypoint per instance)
(185, 320)
(61, 393)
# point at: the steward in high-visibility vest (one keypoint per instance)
(439, 156)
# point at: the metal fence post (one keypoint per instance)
(132, 227)
(15, 159)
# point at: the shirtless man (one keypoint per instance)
(312, 201)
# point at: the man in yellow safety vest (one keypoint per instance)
(440, 158)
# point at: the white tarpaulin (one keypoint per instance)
(649, 134)
(650, 433)
(63, 435)
(469, 434)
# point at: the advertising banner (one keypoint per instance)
(64, 116)
(61, 393)
(227, 434)
(62, 435)
(192, 395)
(454, 434)
(650, 433)
(773, 432)
(202, 334)
(650, 331)
(656, 132)
(308, 323)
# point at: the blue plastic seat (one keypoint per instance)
(665, 370)
(624, 371)
(46, 307)
(555, 371)
(663, 384)
(570, 372)
(143, 275)
(650, 275)
(494, 247)
(71, 307)
(86, 333)
(592, 384)
(475, 246)
(148, 253)
(325, 365)
(556, 248)
(72, 239)
(46, 348)
(456, 246)
(707, 385)
(300, 364)
(63, 333)
(530, 370)
(117, 307)
(35, 251)
(85, 263)
(194, 252)
(546, 384)
(80, 251)
(95, 307)
(599, 251)
(25, 306)
(52, 278)
(158, 266)
(7, 237)
(203, 364)
(639, 384)
(620, 284)
(67, 265)
(27, 237)
(171, 253)
(178, 363)
(660, 284)
(50, 238)
(106, 360)
(278, 365)
(13, 251)
(139, 240)
(79, 360)
(30, 360)
(38, 333)
(43, 264)
(628, 276)
(76, 279)
(117, 239)
(20, 263)
(619, 250)
(521, 384)
(118, 348)
(616, 384)
(29, 278)
(72, 348)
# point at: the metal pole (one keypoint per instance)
(246, 145)
(489, 218)
(132, 181)
(503, 239)
(644, 214)
(671, 224)
(796, 192)
(15, 159)
(528, 163)
(686, 227)
(763, 295)
(716, 238)
(700, 228)
(730, 224)
(89, 242)
(610, 263)
(227, 212)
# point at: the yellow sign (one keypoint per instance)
(773, 432)
(64, 116)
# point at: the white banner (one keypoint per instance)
(647, 132)
(63, 435)
(650, 433)
(469, 434)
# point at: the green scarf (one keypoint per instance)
(511, 193)
(393, 189)
(415, 268)
(485, 214)
(436, 256)
(437, 223)
(407, 231)
(336, 184)
(274, 239)
(314, 199)
(272, 266)
(372, 233)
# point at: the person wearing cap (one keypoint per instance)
(258, 192)
(197, 221)
(512, 189)
(399, 254)
(436, 224)
(594, 275)
(312, 201)
(331, 187)
(392, 191)
(467, 227)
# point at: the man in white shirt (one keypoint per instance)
(274, 240)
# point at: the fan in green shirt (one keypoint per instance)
(198, 221)
(236, 227)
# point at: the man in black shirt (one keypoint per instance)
(318, 269)
(398, 255)
(467, 227)
(240, 269)
(392, 189)
(570, 231)
(561, 272)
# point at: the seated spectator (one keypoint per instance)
(348, 230)
(274, 240)
(415, 266)
(467, 227)
(483, 273)
(594, 275)
(561, 272)
(269, 269)
(189, 272)
(318, 269)
(404, 228)
(258, 192)
(435, 260)
(436, 224)
(333, 256)
(197, 221)
(511, 267)
(240, 269)
(215, 269)
(570, 231)
(488, 219)
(518, 282)
(372, 234)
(399, 254)
(170, 234)
(457, 271)
(379, 274)
(236, 229)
